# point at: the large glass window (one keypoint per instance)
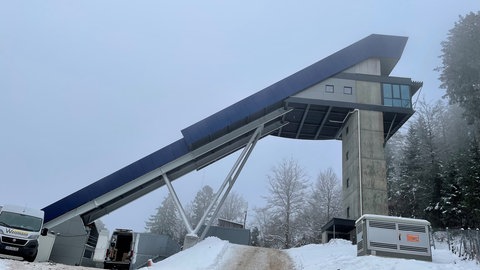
(396, 95)
(387, 90)
(20, 221)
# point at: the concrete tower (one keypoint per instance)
(363, 166)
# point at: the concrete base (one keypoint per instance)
(190, 240)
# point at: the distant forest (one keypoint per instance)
(433, 168)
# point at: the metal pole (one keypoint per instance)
(245, 221)
(360, 162)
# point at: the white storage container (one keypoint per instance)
(393, 237)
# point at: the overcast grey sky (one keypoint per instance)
(88, 87)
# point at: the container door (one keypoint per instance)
(382, 235)
(413, 239)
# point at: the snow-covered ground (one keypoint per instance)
(216, 254)
(212, 253)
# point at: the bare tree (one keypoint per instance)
(328, 193)
(269, 228)
(262, 222)
(287, 187)
(234, 208)
(324, 203)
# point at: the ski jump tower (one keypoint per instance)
(348, 96)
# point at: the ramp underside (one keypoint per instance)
(230, 129)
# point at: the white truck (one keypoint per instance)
(20, 228)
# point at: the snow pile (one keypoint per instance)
(341, 254)
(337, 254)
(204, 255)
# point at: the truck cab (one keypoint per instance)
(20, 228)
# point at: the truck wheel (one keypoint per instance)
(30, 258)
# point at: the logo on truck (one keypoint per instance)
(17, 232)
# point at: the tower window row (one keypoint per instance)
(347, 90)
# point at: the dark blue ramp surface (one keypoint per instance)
(201, 134)
(116, 179)
(387, 48)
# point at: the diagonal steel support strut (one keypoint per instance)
(178, 204)
(222, 193)
(231, 178)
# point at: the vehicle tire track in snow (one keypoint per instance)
(244, 257)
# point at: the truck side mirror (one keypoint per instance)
(44, 232)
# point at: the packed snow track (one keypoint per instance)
(243, 257)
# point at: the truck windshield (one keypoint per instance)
(20, 221)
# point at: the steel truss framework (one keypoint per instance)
(222, 192)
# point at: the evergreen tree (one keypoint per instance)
(407, 195)
(460, 70)
(166, 221)
(428, 124)
(452, 210)
(200, 204)
(471, 185)
(432, 170)
(394, 156)
(255, 237)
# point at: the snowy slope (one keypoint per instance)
(216, 254)
(338, 254)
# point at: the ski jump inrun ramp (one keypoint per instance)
(278, 109)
